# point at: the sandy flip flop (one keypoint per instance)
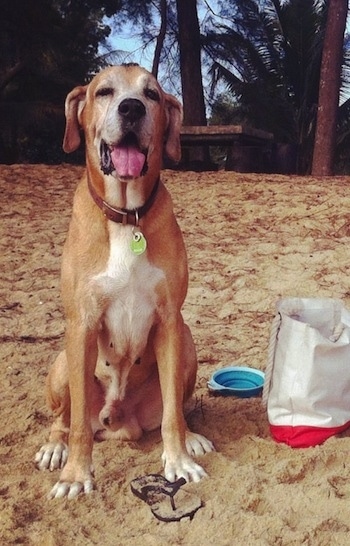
(159, 494)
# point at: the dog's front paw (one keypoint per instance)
(71, 490)
(52, 456)
(73, 481)
(196, 444)
(183, 467)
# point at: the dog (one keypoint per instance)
(129, 362)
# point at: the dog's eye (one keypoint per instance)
(104, 92)
(152, 94)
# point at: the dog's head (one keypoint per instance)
(128, 121)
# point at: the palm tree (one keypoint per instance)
(269, 56)
(327, 113)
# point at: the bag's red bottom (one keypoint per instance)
(304, 436)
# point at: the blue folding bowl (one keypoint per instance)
(238, 381)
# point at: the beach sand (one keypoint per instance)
(251, 239)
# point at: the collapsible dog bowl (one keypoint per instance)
(237, 381)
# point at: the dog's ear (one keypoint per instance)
(74, 105)
(174, 116)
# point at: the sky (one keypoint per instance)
(132, 49)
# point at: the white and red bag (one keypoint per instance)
(307, 380)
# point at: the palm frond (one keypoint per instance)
(272, 65)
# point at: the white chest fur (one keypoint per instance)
(129, 287)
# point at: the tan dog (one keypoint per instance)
(124, 280)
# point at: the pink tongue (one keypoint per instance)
(127, 161)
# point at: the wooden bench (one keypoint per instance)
(247, 148)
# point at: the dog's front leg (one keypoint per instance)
(168, 344)
(77, 474)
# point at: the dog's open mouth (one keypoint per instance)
(126, 158)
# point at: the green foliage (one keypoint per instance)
(225, 112)
(264, 54)
(46, 48)
(268, 53)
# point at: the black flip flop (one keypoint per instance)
(159, 494)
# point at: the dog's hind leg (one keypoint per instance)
(54, 453)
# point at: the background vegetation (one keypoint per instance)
(260, 61)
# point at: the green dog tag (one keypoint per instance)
(138, 243)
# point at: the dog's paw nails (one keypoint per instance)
(185, 468)
(59, 456)
(197, 473)
(70, 490)
(76, 488)
(59, 490)
(51, 456)
(196, 444)
(192, 473)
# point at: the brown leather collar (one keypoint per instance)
(124, 216)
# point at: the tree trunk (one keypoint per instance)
(190, 63)
(163, 8)
(328, 102)
(191, 73)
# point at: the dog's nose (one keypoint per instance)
(131, 110)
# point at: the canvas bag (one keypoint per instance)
(307, 380)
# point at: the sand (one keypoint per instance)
(251, 239)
